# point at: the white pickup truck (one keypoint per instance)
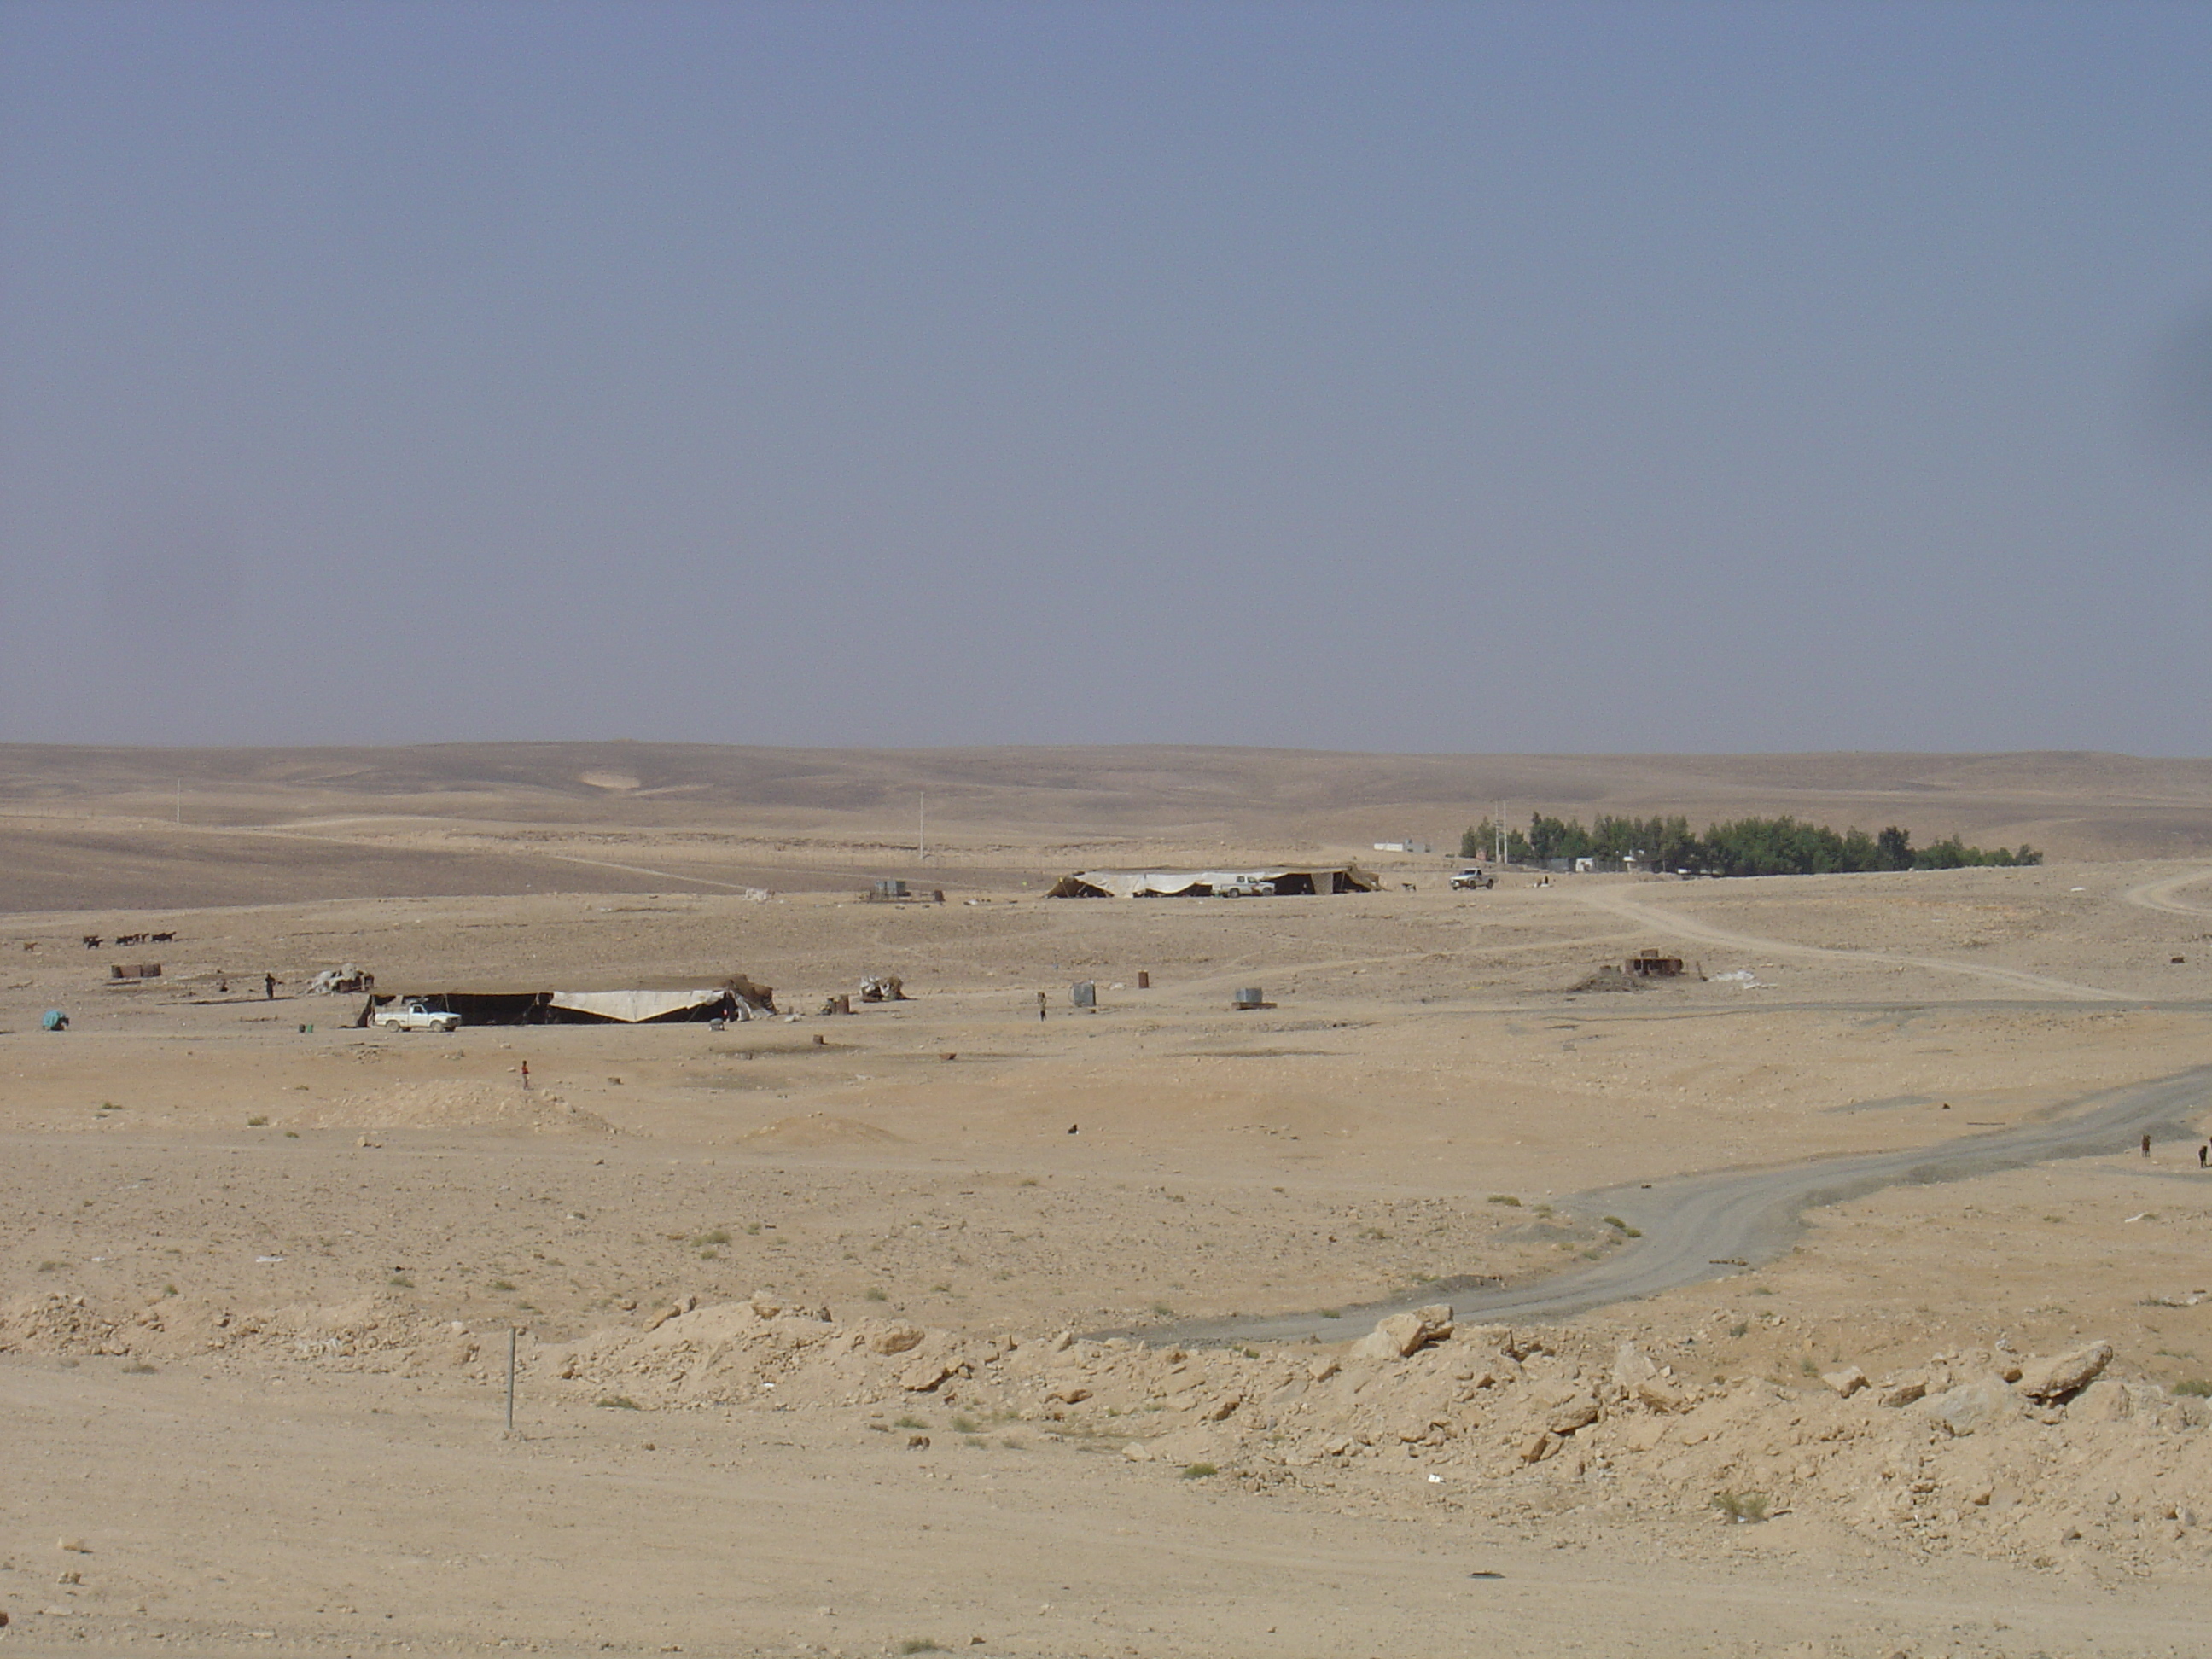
(414, 1015)
(1245, 887)
(1473, 881)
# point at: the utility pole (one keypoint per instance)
(1501, 832)
(922, 831)
(180, 800)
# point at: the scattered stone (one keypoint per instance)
(1632, 1368)
(896, 1339)
(1539, 1447)
(1222, 1407)
(2104, 1401)
(1401, 1335)
(1577, 1413)
(1971, 1405)
(73, 1545)
(2067, 1374)
(1323, 1368)
(1901, 1393)
(917, 1442)
(1846, 1382)
(926, 1376)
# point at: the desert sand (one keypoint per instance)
(942, 1324)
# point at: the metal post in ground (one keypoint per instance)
(510, 1379)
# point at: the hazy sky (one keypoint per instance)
(1385, 376)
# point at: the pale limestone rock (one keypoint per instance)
(2104, 1401)
(1633, 1367)
(1577, 1412)
(1403, 1334)
(1970, 1406)
(1846, 1382)
(2055, 1378)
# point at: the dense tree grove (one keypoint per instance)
(1741, 847)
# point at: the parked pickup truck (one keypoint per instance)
(414, 1015)
(1469, 881)
(1245, 887)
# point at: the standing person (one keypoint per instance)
(1040, 1005)
(2145, 1146)
(2203, 1153)
(525, 1074)
(268, 986)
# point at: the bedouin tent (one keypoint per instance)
(1289, 881)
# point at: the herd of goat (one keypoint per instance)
(93, 941)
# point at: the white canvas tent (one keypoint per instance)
(633, 1007)
(1288, 880)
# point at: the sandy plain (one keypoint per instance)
(256, 1281)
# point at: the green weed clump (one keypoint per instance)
(621, 1402)
(1742, 1507)
(1199, 1471)
(1506, 1199)
(2195, 1387)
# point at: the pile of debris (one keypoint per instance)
(1995, 1454)
(2050, 1460)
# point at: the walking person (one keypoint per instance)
(268, 986)
(2145, 1146)
(525, 1074)
(2203, 1152)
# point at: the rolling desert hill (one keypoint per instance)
(83, 827)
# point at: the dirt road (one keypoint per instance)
(1670, 918)
(1706, 1226)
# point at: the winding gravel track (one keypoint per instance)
(1667, 919)
(1706, 1226)
(2160, 895)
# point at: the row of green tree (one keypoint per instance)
(1741, 847)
